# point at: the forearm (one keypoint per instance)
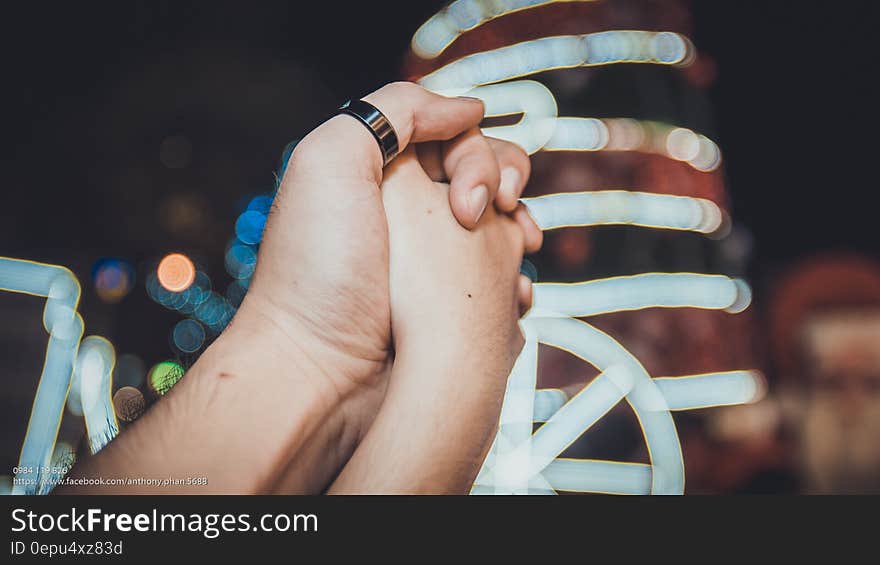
(434, 428)
(255, 410)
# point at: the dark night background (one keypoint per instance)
(90, 90)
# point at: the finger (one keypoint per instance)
(418, 115)
(532, 235)
(421, 115)
(404, 180)
(515, 169)
(513, 163)
(472, 168)
(430, 154)
(342, 146)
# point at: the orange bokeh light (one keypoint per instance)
(176, 272)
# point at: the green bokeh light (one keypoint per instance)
(163, 376)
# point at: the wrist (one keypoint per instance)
(301, 362)
(403, 452)
(253, 407)
(294, 339)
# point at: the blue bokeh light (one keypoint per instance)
(528, 269)
(261, 204)
(249, 227)
(113, 279)
(285, 158)
(235, 293)
(240, 260)
(188, 336)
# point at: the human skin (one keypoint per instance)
(454, 310)
(281, 399)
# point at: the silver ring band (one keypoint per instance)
(377, 123)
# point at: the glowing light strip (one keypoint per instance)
(561, 52)
(607, 477)
(583, 134)
(519, 462)
(578, 134)
(625, 134)
(443, 28)
(65, 328)
(691, 392)
(63, 458)
(531, 99)
(622, 207)
(710, 390)
(515, 424)
(547, 402)
(602, 351)
(578, 415)
(95, 364)
(646, 400)
(650, 290)
(537, 485)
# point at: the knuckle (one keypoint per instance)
(512, 154)
(306, 152)
(400, 87)
(525, 162)
(302, 151)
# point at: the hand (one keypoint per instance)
(324, 260)
(280, 400)
(455, 302)
(322, 276)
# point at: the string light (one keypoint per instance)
(95, 367)
(65, 327)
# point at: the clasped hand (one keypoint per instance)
(372, 350)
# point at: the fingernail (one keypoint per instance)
(471, 99)
(478, 199)
(510, 179)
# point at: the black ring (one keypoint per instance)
(378, 125)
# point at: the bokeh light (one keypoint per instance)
(215, 313)
(212, 310)
(235, 293)
(528, 269)
(261, 204)
(249, 227)
(184, 214)
(129, 371)
(240, 260)
(285, 158)
(176, 272)
(188, 336)
(164, 375)
(129, 403)
(113, 279)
